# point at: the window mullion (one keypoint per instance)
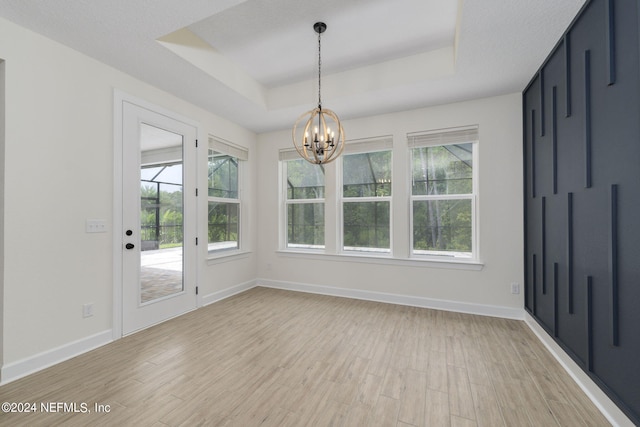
(367, 199)
(444, 197)
(303, 201)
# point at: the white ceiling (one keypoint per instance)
(254, 62)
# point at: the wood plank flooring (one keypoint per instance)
(269, 357)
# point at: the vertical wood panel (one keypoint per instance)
(533, 154)
(613, 267)
(567, 69)
(555, 299)
(554, 137)
(589, 323)
(587, 117)
(611, 42)
(638, 22)
(534, 284)
(570, 253)
(542, 109)
(544, 246)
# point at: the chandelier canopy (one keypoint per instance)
(317, 134)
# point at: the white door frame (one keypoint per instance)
(119, 98)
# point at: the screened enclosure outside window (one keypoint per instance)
(223, 196)
(366, 198)
(161, 206)
(443, 195)
(304, 204)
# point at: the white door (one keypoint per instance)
(158, 217)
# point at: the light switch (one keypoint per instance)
(96, 226)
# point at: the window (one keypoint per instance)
(366, 197)
(224, 203)
(439, 184)
(304, 202)
(443, 195)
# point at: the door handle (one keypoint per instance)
(129, 246)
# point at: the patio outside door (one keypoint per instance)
(158, 235)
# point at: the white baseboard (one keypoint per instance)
(609, 409)
(24, 367)
(226, 293)
(460, 307)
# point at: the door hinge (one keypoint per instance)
(196, 241)
(196, 290)
(196, 143)
(196, 192)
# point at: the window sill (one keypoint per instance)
(224, 256)
(386, 259)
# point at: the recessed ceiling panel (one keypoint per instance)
(274, 41)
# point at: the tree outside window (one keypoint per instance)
(304, 204)
(443, 200)
(366, 201)
(161, 201)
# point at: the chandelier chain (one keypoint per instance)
(319, 72)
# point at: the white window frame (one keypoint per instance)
(435, 138)
(241, 154)
(369, 145)
(284, 157)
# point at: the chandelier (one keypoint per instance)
(317, 134)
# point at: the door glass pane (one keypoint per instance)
(161, 214)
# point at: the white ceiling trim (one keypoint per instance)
(199, 53)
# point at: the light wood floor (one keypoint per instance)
(278, 358)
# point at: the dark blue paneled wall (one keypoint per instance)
(582, 196)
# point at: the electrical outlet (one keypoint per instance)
(87, 310)
(515, 288)
(96, 226)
